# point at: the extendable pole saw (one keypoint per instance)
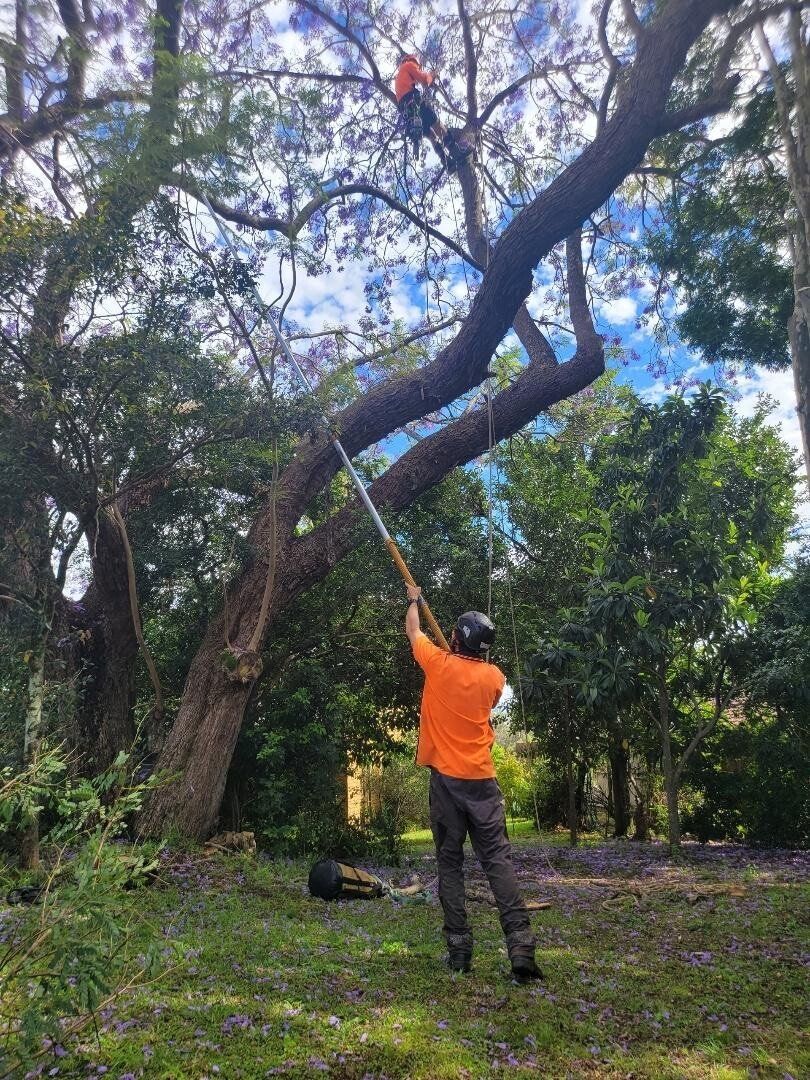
(388, 540)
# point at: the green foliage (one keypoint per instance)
(396, 791)
(752, 780)
(514, 780)
(724, 244)
(63, 958)
(687, 509)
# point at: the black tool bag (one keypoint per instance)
(332, 880)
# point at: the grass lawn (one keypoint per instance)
(654, 969)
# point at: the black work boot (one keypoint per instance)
(520, 946)
(459, 951)
(458, 960)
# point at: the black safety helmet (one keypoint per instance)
(475, 632)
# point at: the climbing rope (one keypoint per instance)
(492, 464)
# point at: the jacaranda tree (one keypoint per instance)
(134, 113)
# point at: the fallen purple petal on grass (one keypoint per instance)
(238, 1021)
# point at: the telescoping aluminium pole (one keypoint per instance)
(388, 540)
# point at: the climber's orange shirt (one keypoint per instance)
(408, 75)
(455, 733)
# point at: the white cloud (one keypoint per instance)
(778, 385)
(620, 311)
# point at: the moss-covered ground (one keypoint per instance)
(696, 968)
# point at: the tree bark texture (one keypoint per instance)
(799, 333)
(619, 758)
(667, 763)
(793, 111)
(204, 734)
(106, 714)
(571, 783)
(528, 332)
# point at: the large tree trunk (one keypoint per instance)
(793, 110)
(619, 757)
(529, 334)
(105, 720)
(571, 804)
(201, 742)
(671, 775)
(799, 333)
(209, 721)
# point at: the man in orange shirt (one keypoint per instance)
(455, 742)
(407, 81)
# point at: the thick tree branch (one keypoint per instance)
(612, 61)
(45, 122)
(784, 104)
(718, 102)
(14, 63)
(77, 55)
(291, 229)
(632, 19)
(536, 388)
(471, 64)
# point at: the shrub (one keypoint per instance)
(63, 958)
(753, 783)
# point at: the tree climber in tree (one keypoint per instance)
(418, 113)
(455, 742)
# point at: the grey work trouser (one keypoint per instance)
(458, 807)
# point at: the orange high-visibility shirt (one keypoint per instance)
(455, 733)
(408, 75)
